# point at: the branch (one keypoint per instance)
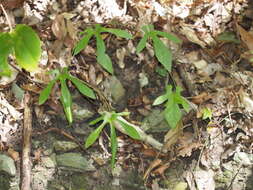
(27, 131)
(143, 136)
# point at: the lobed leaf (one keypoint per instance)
(83, 42)
(173, 115)
(66, 100)
(46, 92)
(169, 36)
(27, 47)
(94, 135)
(142, 43)
(83, 88)
(131, 131)
(118, 32)
(114, 144)
(163, 54)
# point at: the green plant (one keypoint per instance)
(102, 58)
(162, 53)
(172, 112)
(24, 44)
(207, 113)
(65, 97)
(110, 118)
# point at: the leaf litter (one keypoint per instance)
(216, 152)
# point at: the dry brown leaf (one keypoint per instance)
(37, 155)
(201, 98)
(246, 37)
(12, 4)
(160, 170)
(59, 27)
(153, 165)
(13, 154)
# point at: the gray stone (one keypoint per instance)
(155, 122)
(64, 146)
(81, 112)
(114, 87)
(74, 162)
(49, 161)
(7, 165)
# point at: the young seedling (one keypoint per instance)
(110, 118)
(172, 112)
(102, 58)
(162, 53)
(24, 44)
(65, 97)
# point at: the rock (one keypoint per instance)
(114, 87)
(81, 111)
(155, 122)
(74, 162)
(49, 161)
(7, 164)
(64, 146)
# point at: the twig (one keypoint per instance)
(6, 16)
(143, 136)
(27, 131)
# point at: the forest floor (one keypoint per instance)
(211, 147)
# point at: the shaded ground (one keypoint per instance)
(214, 152)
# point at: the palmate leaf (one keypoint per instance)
(114, 144)
(169, 36)
(163, 54)
(118, 32)
(85, 90)
(130, 130)
(27, 47)
(66, 100)
(46, 92)
(94, 135)
(84, 41)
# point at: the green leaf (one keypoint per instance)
(169, 36)
(84, 41)
(131, 131)
(173, 115)
(27, 47)
(160, 99)
(46, 92)
(163, 54)
(66, 100)
(161, 71)
(228, 37)
(94, 135)
(93, 122)
(100, 44)
(142, 43)
(114, 145)
(148, 28)
(181, 100)
(118, 32)
(83, 88)
(105, 61)
(6, 47)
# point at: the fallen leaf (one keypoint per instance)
(153, 165)
(13, 154)
(246, 37)
(59, 27)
